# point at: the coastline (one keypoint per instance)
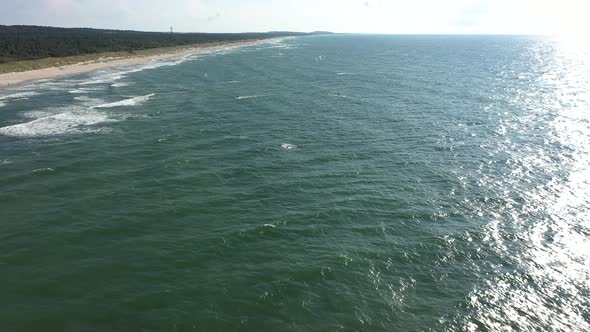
(18, 77)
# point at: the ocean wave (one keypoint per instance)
(104, 79)
(288, 146)
(62, 123)
(56, 86)
(127, 102)
(229, 82)
(154, 65)
(283, 47)
(2, 104)
(160, 63)
(110, 76)
(19, 95)
(89, 101)
(84, 98)
(85, 90)
(248, 97)
(86, 103)
(43, 170)
(38, 114)
(119, 85)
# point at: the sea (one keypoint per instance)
(320, 183)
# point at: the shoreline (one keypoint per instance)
(8, 80)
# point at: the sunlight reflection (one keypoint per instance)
(552, 272)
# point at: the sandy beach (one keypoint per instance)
(15, 78)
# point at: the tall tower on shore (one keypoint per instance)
(171, 31)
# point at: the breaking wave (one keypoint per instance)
(127, 102)
(62, 123)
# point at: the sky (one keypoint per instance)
(552, 17)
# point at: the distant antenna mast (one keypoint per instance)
(171, 31)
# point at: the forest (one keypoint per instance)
(23, 42)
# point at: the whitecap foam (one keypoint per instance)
(110, 76)
(247, 97)
(56, 86)
(62, 123)
(2, 104)
(119, 85)
(86, 102)
(127, 102)
(103, 81)
(26, 88)
(38, 114)
(284, 47)
(344, 73)
(19, 95)
(229, 82)
(89, 101)
(83, 98)
(85, 90)
(104, 78)
(288, 146)
(43, 170)
(156, 64)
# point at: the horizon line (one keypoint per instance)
(298, 31)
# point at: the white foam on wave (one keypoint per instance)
(27, 87)
(223, 51)
(2, 104)
(229, 82)
(62, 123)
(84, 98)
(104, 79)
(127, 102)
(19, 95)
(85, 90)
(161, 63)
(38, 114)
(288, 146)
(110, 76)
(89, 101)
(247, 97)
(155, 64)
(344, 73)
(44, 170)
(86, 102)
(282, 46)
(57, 86)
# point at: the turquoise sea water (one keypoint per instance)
(354, 183)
